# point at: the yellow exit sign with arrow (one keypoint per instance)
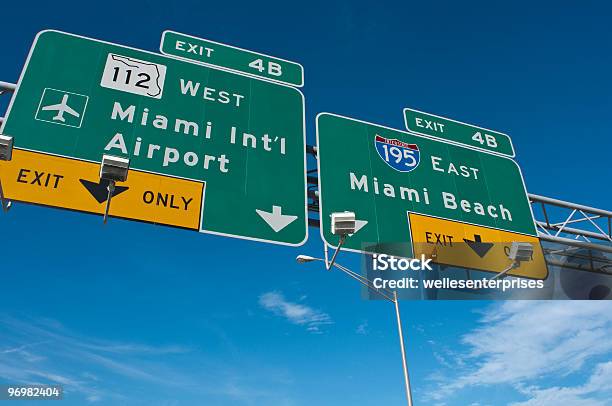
(74, 184)
(464, 245)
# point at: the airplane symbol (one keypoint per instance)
(70, 115)
(61, 109)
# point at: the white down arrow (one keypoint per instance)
(276, 219)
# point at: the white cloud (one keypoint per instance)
(43, 349)
(295, 313)
(114, 372)
(441, 359)
(526, 339)
(595, 392)
(520, 341)
(363, 328)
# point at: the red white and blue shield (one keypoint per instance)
(398, 155)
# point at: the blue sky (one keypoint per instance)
(177, 318)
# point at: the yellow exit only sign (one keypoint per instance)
(74, 184)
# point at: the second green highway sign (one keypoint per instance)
(383, 174)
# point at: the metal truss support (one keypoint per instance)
(6, 88)
(572, 224)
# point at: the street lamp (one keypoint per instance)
(301, 259)
(387, 294)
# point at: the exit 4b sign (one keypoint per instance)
(455, 131)
(231, 58)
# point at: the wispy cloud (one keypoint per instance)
(295, 313)
(20, 348)
(595, 392)
(43, 352)
(441, 359)
(52, 331)
(521, 341)
(362, 328)
(99, 370)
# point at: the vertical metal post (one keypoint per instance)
(326, 250)
(401, 338)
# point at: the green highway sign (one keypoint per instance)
(383, 174)
(455, 131)
(224, 149)
(231, 58)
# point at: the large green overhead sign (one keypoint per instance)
(232, 58)
(241, 138)
(455, 131)
(383, 174)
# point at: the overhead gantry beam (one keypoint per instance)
(7, 87)
(558, 221)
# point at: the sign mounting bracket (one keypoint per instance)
(6, 153)
(113, 169)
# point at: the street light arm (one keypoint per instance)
(502, 274)
(370, 286)
(333, 259)
(386, 293)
